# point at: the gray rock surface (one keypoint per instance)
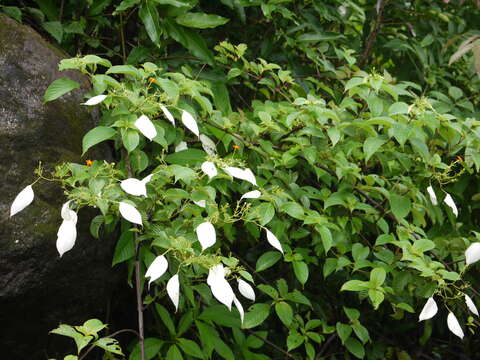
(39, 290)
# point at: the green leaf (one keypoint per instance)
(166, 318)
(371, 145)
(174, 353)
(190, 347)
(400, 205)
(200, 20)
(256, 315)
(149, 15)
(354, 285)
(301, 271)
(267, 260)
(377, 277)
(125, 4)
(293, 209)
(95, 136)
(110, 345)
(186, 157)
(266, 212)
(130, 139)
(151, 345)
(13, 11)
(284, 312)
(223, 349)
(58, 88)
(190, 40)
(294, 340)
(55, 29)
(355, 347)
(125, 70)
(376, 296)
(343, 331)
(422, 245)
(326, 236)
(125, 248)
(397, 109)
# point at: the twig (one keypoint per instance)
(373, 35)
(325, 346)
(276, 347)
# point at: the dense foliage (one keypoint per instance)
(362, 136)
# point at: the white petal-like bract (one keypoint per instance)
(134, 187)
(454, 326)
(272, 240)
(147, 179)
(246, 289)
(255, 194)
(239, 307)
(157, 268)
(451, 204)
(433, 197)
(471, 305)
(22, 200)
(190, 122)
(66, 213)
(67, 234)
(429, 310)
(95, 100)
(168, 114)
(146, 127)
(243, 174)
(201, 203)
(206, 234)
(129, 213)
(209, 168)
(472, 254)
(182, 145)
(208, 145)
(173, 290)
(249, 176)
(221, 289)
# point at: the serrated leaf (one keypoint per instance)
(95, 136)
(58, 88)
(125, 248)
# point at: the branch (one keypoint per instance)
(373, 35)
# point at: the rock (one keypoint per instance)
(38, 289)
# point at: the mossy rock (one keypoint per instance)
(38, 289)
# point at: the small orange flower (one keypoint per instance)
(89, 162)
(152, 80)
(236, 147)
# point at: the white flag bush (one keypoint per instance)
(429, 310)
(129, 213)
(206, 234)
(173, 290)
(157, 268)
(146, 127)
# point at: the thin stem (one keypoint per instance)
(276, 347)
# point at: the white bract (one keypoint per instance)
(168, 114)
(243, 174)
(201, 203)
(255, 194)
(22, 200)
(182, 145)
(208, 145)
(470, 304)
(239, 307)
(220, 287)
(146, 127)
(451, 204)
(129, 213)
(67, 232)
(157, 268)
(95, 100)
(190, 122)
(173, 290)
(433, 197)
(246, 290)
(206, 234)
(272, 240)
(454, 326)
(429, 310)
(136, 187)
(472, 254)
(209, 168)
